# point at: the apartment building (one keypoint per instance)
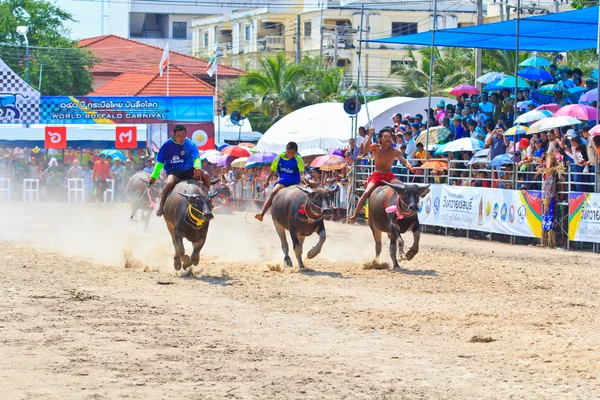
(243, 35)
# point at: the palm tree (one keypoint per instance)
(274, 88)
(503, 61)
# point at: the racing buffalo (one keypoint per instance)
(187, 212)
(301, 211)
(135, 188)
(394, 209)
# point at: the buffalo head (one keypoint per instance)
(320, 201)
(199, 206)
(409, 195)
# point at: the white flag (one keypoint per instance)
(212, 63)
(164, 61)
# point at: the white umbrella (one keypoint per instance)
(491, 76)
(531, 116)
(551, 123)
(313, 151)
(464, 144)
(482, 156)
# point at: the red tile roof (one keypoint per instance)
(146, 81)
(118, 55)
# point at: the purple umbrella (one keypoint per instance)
(336, 152)
(590, 96)
(225, 160)
(262, 158)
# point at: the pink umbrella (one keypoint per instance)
(579, 111)
(460, 89)
(590, 96)
(319, 161)
(595, 131)
(236, 151)
(550, 107)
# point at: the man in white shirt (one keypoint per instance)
(361, 137)
(411, 147)
(486, 107)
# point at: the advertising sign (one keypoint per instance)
(19, 102)
(126, 137)
(510, 212)
(584, 217)
(55, 137)
(202, 134)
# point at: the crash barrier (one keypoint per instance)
(5, 189)
(576, 219)
(31, 190)
(75, 190)
(110, 191)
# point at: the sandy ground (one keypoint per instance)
(466, 319)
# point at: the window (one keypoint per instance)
(247, 33)
(206, 40)
(179, 30)
(398, 63)
(307, 28)
(270, 25)
(404, 28)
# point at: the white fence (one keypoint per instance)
(5, 189)
(110, 192)
(31, 190)
(76, 190)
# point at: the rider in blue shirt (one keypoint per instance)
(288, 166)
(180, 158)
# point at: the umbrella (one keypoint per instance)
(501, 159)
(211, 153)
(532, 116)
(594, 73)
(333, 164)
(221, 146)
(433, 136)
(225, 160)
(509, 83)
(435, 165)
(464, 144)
(550, 89)
(236, 151)
(262, 158)
(460, 89)
(239, 162)
(313, 151)
(319, 161)
(522, 105)
(482, 156)
(590, 96)
(550, 107)
(490, 77)
(491, 85)
(113, 154)
(212, 158)
(535, 61)
(595, 131)
(577, 89)
(336, 152)
(439, 149)
(516, 130)
(579, 111)
(551, 123)
(247, 145)
(254, 150)
(535, 74)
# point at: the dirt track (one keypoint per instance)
(75, 323)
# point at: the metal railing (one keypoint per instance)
(75, 190)
(5, 189)
(31, 190)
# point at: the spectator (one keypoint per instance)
(118, 172)
(360, 139)
(420, 154)
(129, 170)
(591, 150)
(459, 130)
(445, 133)
(75, 172)
(88, 182)
(482, 180)
(100, 175)
(353, 149)
(411, 147)
(558, 99)
(149, 167)
(486, 107)
(474, 131)
(497, 142)
(52, 181)
(476, 115)
(440, 112)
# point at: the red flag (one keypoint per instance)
(55, 137)
(126, 137)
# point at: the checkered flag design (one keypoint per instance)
(19, 102)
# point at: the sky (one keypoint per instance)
(86, 14)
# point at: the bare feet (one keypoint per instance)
(351, 220)
(159, 211)
(259, 217)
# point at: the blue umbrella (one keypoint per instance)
(535, 61)
(492, 85)
(509, 83)
(501, 160)
(113, 154)
(260, 159)
(595, 74)
(535, 74)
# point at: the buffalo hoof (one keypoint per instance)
(195, 260)
(288, 262)
(187, 262)
(411, 254)
(185, 272)
(312, 254)
(177, 264)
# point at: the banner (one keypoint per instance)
(584, 217)
(125, 110)
(202, 134)
(19, 102)
(55, 137)
(126, 137)
(510, 212)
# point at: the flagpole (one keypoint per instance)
(217, 96)
(168, 69)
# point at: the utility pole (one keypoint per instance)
(501, 11)
(556, 6)
(321, 30)
(478, 51)
(298, 39)
(335, 47)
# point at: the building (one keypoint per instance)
(243, 35)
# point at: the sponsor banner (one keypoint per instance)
(126, 137)
(584, 217)
(125, 110)
(510, 212)
(55, 137)
(202, 134)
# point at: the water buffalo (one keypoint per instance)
(394, 209)
(135, 188)
(224, 201)
(301, 211)
(187, 212)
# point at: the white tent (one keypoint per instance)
(327, 126)
(230, 131)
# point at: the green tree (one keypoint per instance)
(65, 66)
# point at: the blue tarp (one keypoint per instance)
(566, 31)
